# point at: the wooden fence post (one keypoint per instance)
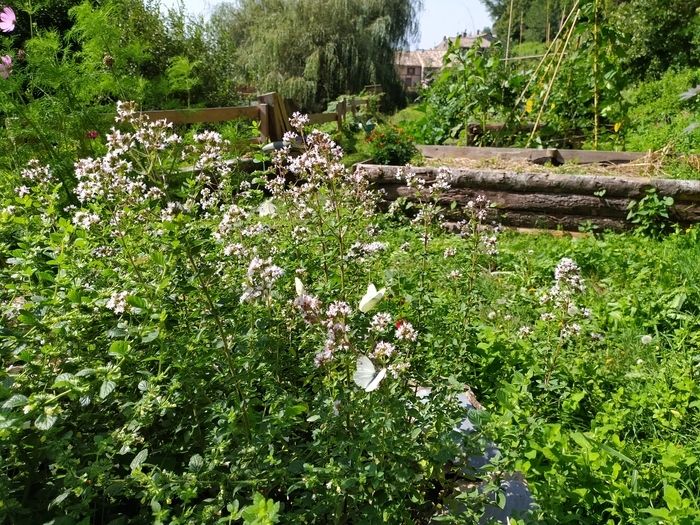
(276, 122)
(341, 109)
(264, 113)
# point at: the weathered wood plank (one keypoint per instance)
(264, 121)
(195, 116)
(320, 118)
(571, 156)
(276, 126)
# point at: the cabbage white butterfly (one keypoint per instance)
(267, 209)
(298, 286)
(366, 376)
(371, 298)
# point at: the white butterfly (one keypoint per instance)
(298, 286)
(371, 298)
(267, 209)
(366, 376)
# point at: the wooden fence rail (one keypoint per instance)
(272, 111)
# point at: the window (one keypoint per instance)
(411, 71)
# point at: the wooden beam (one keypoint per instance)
(264, 121)
(320, 118)
(573, 155)
(341, 109)
(275, 126)
(195, 116)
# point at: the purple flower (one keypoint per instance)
(7, 20)
(5, 66)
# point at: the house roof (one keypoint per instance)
(466, 40)
(431, 58)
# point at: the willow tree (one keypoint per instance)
(314, 50)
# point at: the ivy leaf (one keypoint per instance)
(139, 459)
(18, 400)
(107, 388)
(45, 421)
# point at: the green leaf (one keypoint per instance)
(119, 349)
(158, 258)
(136, 302)
(18, 400)
(139, 459)
(63, 379)
(150, 336)
(659, 513)
(672, 498)
(59, 499)
(45, 421)
(107, 388)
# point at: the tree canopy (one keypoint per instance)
(658, 34)
(314, 50)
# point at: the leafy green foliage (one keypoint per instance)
(659, 35)
(474, 86)
(651, 213)
(659, 118)
(390, 145)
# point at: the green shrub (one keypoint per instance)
(391, 145)
(659, 118)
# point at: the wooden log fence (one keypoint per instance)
(271, 110)
(543, 200)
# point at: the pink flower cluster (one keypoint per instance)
(260, 278)
(561, 297)
(114, 177)
(318, 167)
(7, 24)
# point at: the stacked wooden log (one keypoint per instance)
(544, 200)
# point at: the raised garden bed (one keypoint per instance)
(547, 200)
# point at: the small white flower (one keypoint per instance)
(405, 332)
(524, 331)
(380, 322)
(117, 302)
(383, 350)
(647, 339)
